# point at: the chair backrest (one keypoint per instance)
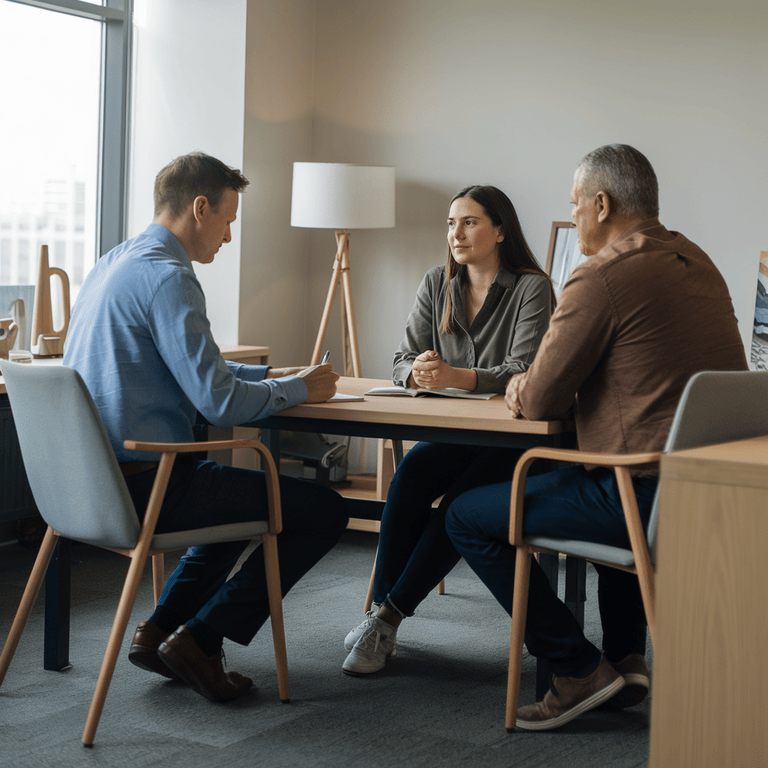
(71, 466)
(716, 407)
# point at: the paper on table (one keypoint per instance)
(340, 397)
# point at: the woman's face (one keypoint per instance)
(472, 236)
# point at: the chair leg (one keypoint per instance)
(158, 575)
(123, 614)
(27, 600)
(519, 612)
(441, 588)
(639, 545)
(272, 569)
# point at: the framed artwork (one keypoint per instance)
(759, 356)
(563, 255)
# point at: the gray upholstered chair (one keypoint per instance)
(81, 494)
(715, 407)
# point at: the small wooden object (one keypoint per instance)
(8, 331)
(48, 341)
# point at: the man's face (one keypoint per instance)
(213, 226)
(585, 214)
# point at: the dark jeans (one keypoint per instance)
(201, 494)
(415, 553)
(572, 503)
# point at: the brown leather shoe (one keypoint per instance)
(143, 652)
(568, 697)
(204, 674)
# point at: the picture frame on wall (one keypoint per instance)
(563, 255)
(759, 351)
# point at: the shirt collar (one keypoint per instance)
(169, 241)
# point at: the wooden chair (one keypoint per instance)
(715, 407)
(81, 494)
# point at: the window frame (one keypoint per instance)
(114, 112)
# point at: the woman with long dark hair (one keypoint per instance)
(476, 322)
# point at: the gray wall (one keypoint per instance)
(504, 92)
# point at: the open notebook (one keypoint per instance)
(450, 392)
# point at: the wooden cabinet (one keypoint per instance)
(710, 677)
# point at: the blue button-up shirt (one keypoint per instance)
(140, 338)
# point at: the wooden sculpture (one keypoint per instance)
(48, 341)
(8, 331)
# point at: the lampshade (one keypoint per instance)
(343, 196)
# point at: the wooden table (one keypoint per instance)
(710, 706)
(429, 418)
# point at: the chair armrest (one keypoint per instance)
(211, 445)
(268, 464)
(561, 454)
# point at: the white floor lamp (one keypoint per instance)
(342, 197)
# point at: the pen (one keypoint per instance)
(326, 357)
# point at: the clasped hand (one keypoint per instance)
(430, 372)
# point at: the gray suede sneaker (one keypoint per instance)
(372, 649)
(568, 697)
(634, 670)
(359, 630)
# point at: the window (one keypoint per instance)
(64, 134)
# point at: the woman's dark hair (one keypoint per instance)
(515, 254)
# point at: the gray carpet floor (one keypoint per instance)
(439, 703)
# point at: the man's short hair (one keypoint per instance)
(191, 176)
(626, 175)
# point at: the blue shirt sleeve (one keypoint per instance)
(182, 335)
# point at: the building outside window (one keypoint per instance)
(64, 90)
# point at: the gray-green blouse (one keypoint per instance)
(502, 340)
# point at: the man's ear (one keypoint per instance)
(603, 206)
(200, 208)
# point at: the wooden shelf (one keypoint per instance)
(362, 487)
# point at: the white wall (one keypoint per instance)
(189, 95)
(514, 93)
(507, 92)
(278, 131)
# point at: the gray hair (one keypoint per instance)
(626, 175)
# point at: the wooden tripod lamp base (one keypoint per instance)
(341, 275)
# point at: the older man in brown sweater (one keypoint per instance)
(645, 312)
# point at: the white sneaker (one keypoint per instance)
(372, 649)
(358, 631)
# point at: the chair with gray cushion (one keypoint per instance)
(81, 494)
(715, 407)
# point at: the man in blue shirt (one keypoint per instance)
(140, 338)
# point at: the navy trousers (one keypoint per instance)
(415, 553)
(202, 493)
(575, 504)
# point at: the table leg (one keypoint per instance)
(576, 587)
(57, 605)
(271, 438)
